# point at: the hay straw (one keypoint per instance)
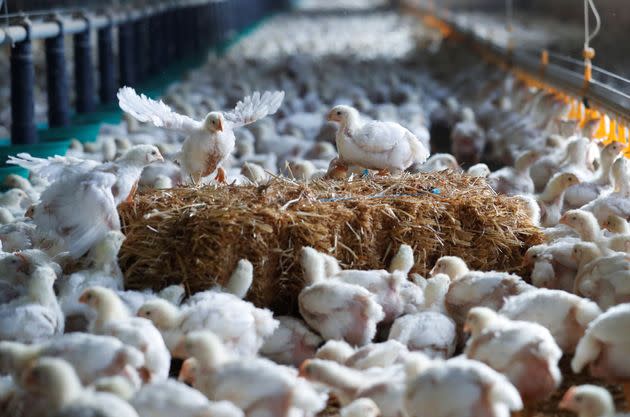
(196, 236)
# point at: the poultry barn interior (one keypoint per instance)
(353, 208)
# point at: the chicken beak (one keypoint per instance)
(220, 127)
(28, 379)
(567, 401)
(83, 299)
(330, 117)
(180, 351)
(433, 271)
(23, 268)
(563, 220)
(466, 328)
(304, 369)
(184, 373)
(160, 157)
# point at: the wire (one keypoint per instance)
(588, 37)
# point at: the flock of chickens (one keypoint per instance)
(381, 342)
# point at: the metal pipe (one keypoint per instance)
(107, 73)
(23, 130)
(57, 80)
(126, 55)
(84, 71)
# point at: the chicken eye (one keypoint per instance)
(338, 113)
(147, 313)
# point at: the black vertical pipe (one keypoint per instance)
(84, 71)
(196, 27)
(165, 56)
(57, 80)
(141, 33)
(154, 44)
(23, 130)
(180, 33)
(107, 81)
(126, 56)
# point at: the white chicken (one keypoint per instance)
(126, 169)
(36, 316)
(240, 325)
(113, 319)
(429, 332)
(257, 386)
(384, 386)
(585, 192)
(551, 199)
(565, 315)
(92, 356)
(589, 401)
(468, 139)
(605, 347)
(291, 343)
(55, 382)
(475, 288)
(383, 146)
(524, 352)
(209, 142)
(604, 279)
(515, 180)
(171, 398)
(457, 387)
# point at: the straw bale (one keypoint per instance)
(195, 236)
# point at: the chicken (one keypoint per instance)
(382, 146)
(240, 325)
(68, 229)
(429, 332)
(468, 139)
(436, 162)
(36, 316)
(171, 398)
(341, 311)
(336, 351)
(589, 401)
(457, 387)
(209, 142)
(475, 288)
(376, 355)
(554, 265)
(617, 225)
(480, 170)
(516, 180)
(113, 319)
(291, 343)
(565, 315)
(551, 199)
(362, 407)
(585, 192)
(525, 352)
(257, 386)
(92, 356)
(603, 279)
(126, 169)
(384, 386)
(617, 202)
(57, 384)
(605, 347)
